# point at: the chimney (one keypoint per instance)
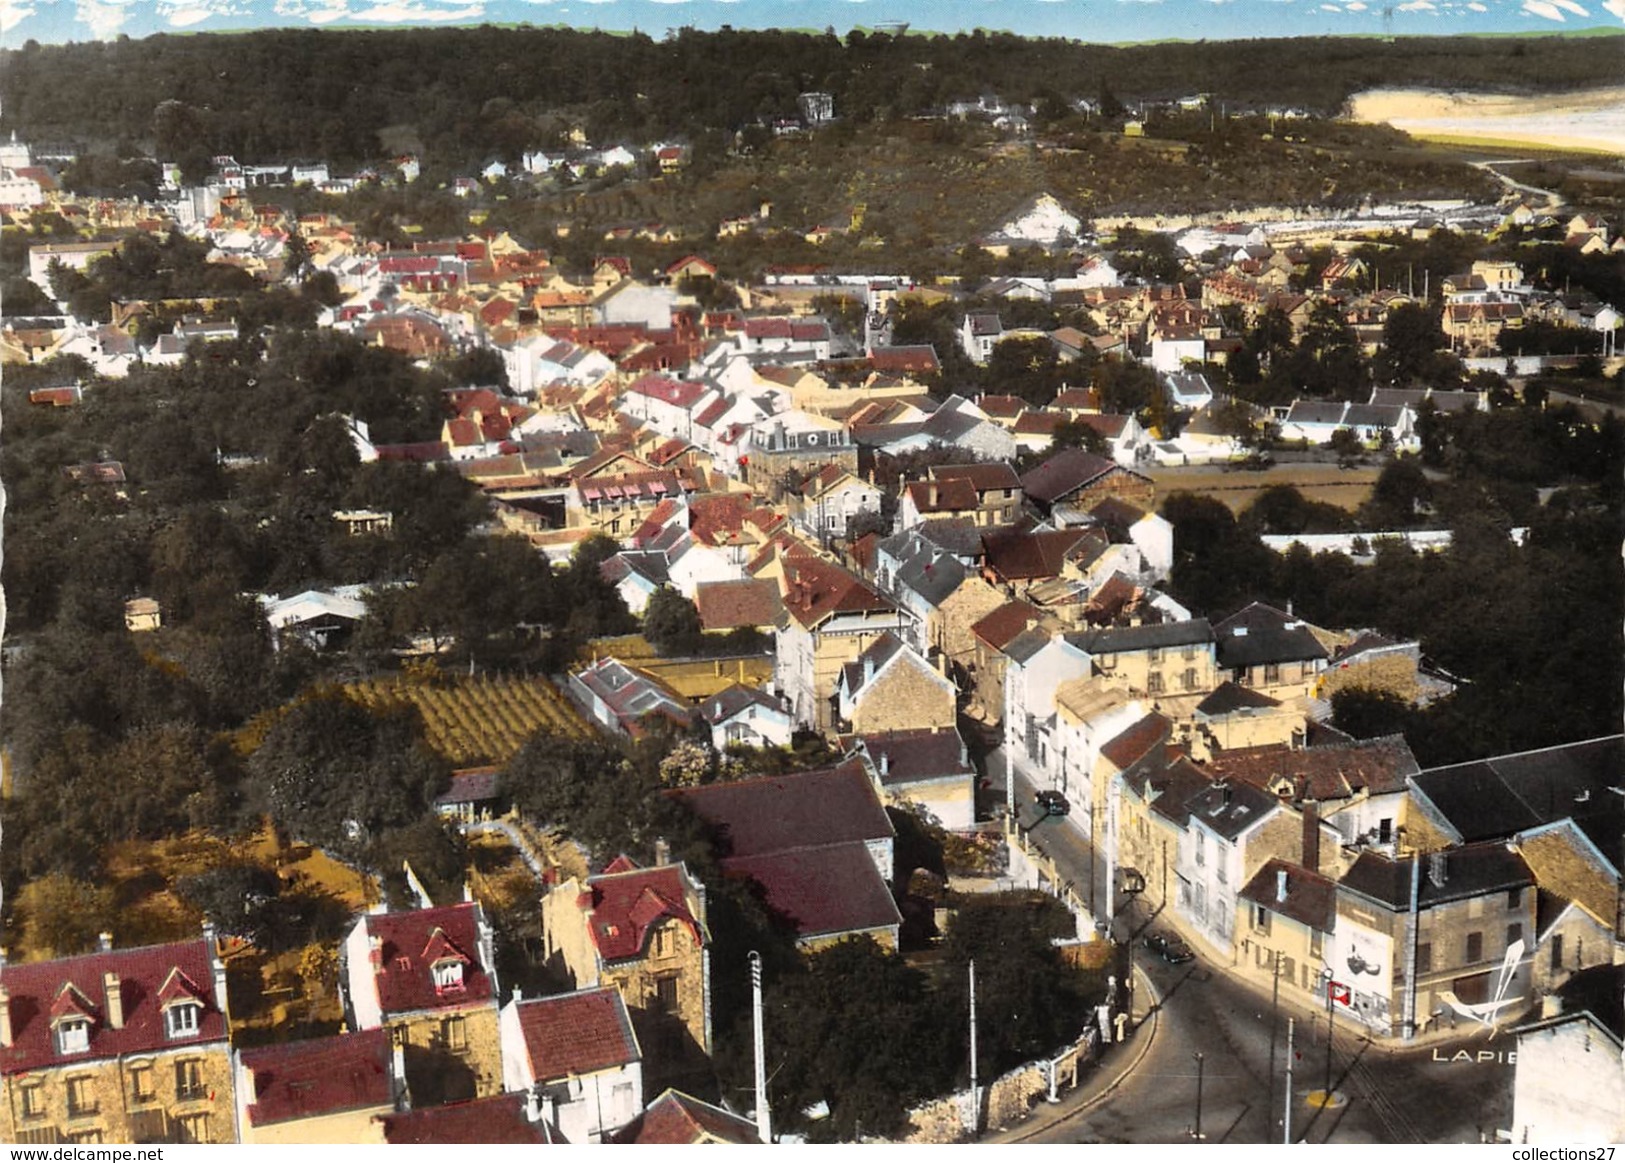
(104, 942)
(1311, 837)
(662, 852)
(115, 1001)
(868, 668)
(1436, 869)
(1550, 1006)
(1280, 884)
(885, 763)
(218, 969)
(5, 1018)
(931, 495)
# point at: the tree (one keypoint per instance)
(334, 773)
(1072, 433)
(62, 915)
(672, 623)
(858, 1030)
(1029, 1002)
(1411, 340)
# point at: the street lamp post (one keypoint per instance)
(1199, 1061)
(1330, 1027)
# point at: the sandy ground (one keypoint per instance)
(1592, 119)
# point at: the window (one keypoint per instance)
(1557, 952)
(81, 1097)
(1475, 947)
(448, 975)
(1316, 949)
(90, 1136)
(1272, 673)
(33, 1101)
(454, 1033)
(1424, 957)
(1220, 873)
(189, 1079)
(1514, 898)
(1154, 655)
(1190, 678)
(1188, 653)
(73, 1037)
(1199, 902)
(141, 1085)
(664, 941)
(181, 1019)
(1201, 849)
(1106, 661)
(1514, 933)
(666, 993)
(194, 1128)
(1153, 683)
(1261, 920)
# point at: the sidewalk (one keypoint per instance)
(1098, 1079)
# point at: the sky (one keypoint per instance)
(1106, 21)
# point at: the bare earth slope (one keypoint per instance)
(1592, 119)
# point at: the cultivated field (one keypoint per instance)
(1347, 488)
(478, 720)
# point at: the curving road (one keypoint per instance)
(1385, 1094)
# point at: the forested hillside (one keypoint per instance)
(465, 94)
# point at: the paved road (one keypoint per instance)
(1414, 1095)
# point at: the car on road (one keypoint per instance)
(1051, 803)
(1170, 948)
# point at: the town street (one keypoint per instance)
(1421, 1094)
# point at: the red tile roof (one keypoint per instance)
(1332, 772)
(628, 902)
(728, 605)
(1003, 624)
(1137, 741)
(815, 590)
(40, 990)
(319, 1076)
(498, 1119)
(677, 1118)
(577, 1033)
(821, 891)
(409, 945)
(810, 808)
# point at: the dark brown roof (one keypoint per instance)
(319, 1076)
(1065, 473)
(1137, 741)
(1311, 899)
(1336, 772)
(1022, 556)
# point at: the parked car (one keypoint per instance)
(1051, 803)
(1170, 948)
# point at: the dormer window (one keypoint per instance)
(73, 1036)
(448, 975)
(181, 1020)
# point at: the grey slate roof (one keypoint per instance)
(1497, 797)
(1127, 639)
(1271, 636)
(1469, 871)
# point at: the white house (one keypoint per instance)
(634, 303)
(1211, 865)
(577, 1054)
(744, 717)
(977, 335)
(1568, 1085)
(1036, 665)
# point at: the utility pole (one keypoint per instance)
(1199, 1062)
(975, 1098)
(764, 1113)
(1331, 1017)
(1286, 1136)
